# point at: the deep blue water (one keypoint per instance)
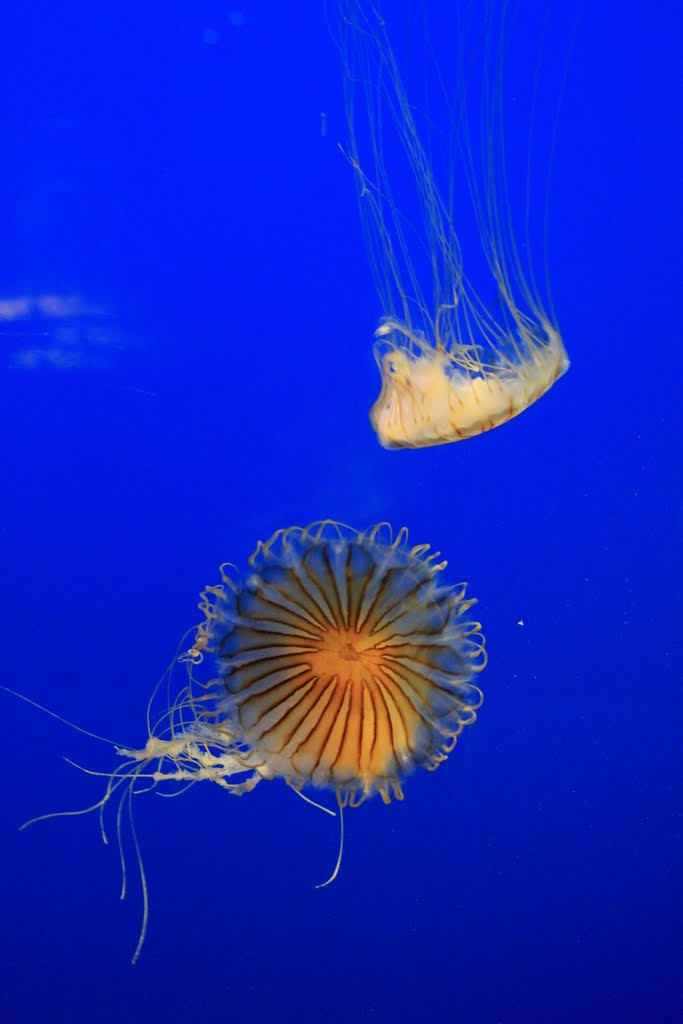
(200, 377)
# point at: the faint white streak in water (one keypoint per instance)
(51, 306)
(59, 332)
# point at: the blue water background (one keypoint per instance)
(201, 377)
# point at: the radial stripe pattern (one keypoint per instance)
(344, 660)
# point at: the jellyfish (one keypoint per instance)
(344, 662)
(455, 359)
(340, 661)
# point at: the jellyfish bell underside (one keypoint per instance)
(344, 661)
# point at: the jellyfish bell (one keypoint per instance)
(434, 395)
(452, 365)
(343, 662)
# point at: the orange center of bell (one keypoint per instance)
(347, 654)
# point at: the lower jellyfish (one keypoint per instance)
(343, 662)
(452, 365)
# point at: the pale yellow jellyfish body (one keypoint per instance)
(451, 366)
(430, 396)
